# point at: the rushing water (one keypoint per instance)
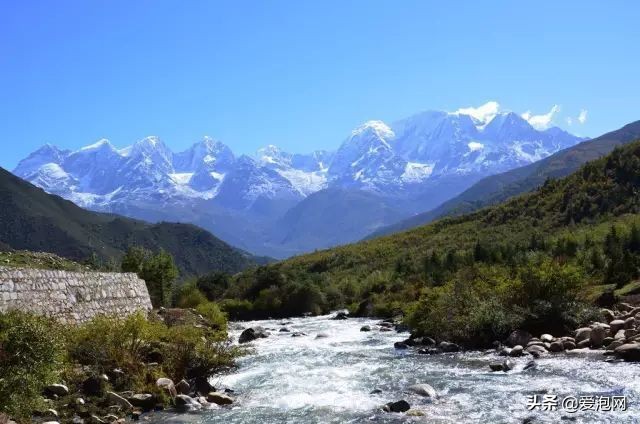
(330, 380)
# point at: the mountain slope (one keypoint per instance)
(34, 220)
(415, 164)
(534, 262)
(497, 188)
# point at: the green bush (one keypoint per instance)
(31, 354)
(212, 312)
(188, 296)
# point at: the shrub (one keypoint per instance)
(211, 311)
(188, 296)
(31, 353)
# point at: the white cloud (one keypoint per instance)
(582, 116)
(474, 145)
(569, 121)
(484, 113)
(541, 122)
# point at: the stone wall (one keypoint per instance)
(72, 296)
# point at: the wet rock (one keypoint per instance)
(448, 347)
(423, 389)
(495, 366)
(583, 344)
(398, 406)
(598, 334)
(400, 345)
(167, 385)
(429, 351)
(582, 334)
(530, 365)
(536, 351)
(556, 346)
(298, 334)
(184, 402)
(385, 329)
(342, 315)
(414, 413)
(119, 400)
(365, 328)
(505, 351)
(546, 338)
(322, 336)
(284, 330)
(251, 334)
(219, 398)
(568, 344)
(375, 392)
(57, 389)
(629, 352)
(615, 344)
(518, 337)
(616, 325)
(183, 387)
(516, 351)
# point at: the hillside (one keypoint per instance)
(34, 220)
(530, 262)
(497, 188)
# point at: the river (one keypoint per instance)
(330, 379)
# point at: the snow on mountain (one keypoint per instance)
(415, 163)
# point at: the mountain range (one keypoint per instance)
(500, 187)
(34, 220)
(280, 204)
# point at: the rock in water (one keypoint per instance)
(400, 345)
(219, 398)
(629, 352)
(448, 347)
(583, 333)
(399, 406)
(186, 402)
(341, 315)
(423, 390)
(365, 328)
(516, 351)
(251, 334)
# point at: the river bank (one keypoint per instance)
(336, 373)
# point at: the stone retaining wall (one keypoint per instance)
(72, 296)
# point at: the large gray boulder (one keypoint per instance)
(583, 333)
(598, 333)
(629, 352)
(615, 325)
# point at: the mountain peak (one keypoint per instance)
(379, 128)
(103, 143)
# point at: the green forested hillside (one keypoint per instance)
(498, 188)
(31, 219)
(533, 262)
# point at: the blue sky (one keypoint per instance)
(302, 74)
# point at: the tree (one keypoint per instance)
(213, 285)
(159, 272)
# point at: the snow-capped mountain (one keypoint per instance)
(416, 163)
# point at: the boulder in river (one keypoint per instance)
(546, 338)
(284, 330)
(398, 406)
(401, 345)
(251, 334)
(556, 346)
(341, 315)
(448, 347)
(145, 401)
(184, 402)
(629, 352)
(518, 337)
(183, 387)
(516, 351)
(505, 365)
(583, 333)
(167, 385)
(616, 325)
(598, 333)
(219, 398)
(536, 350)
(365, 328)
(423, 389)
(322, 336)
(429, 351)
